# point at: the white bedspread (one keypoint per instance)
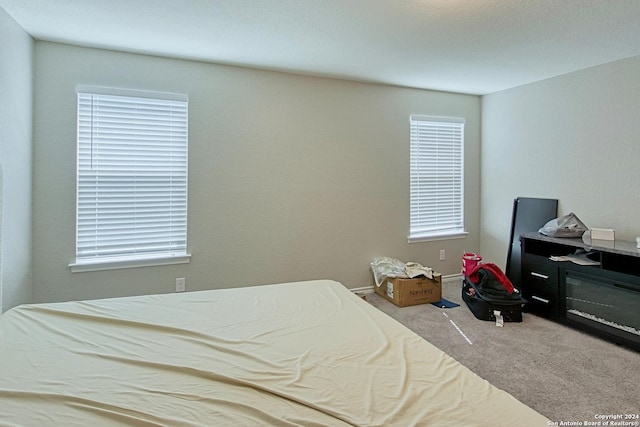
(296, 354)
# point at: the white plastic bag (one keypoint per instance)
(565, 226)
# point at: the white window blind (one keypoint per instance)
(131, 178)
(437, 181)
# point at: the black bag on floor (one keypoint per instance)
(489, 303)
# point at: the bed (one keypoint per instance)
(295, 354)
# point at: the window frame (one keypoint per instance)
(131, 259)
(454, 229)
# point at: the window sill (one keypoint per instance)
(116, 264)
(434, 237)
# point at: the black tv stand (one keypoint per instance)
(598, 291)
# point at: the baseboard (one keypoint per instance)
(369, 289)
(362, 290)
(452, 278)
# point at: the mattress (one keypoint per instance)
(296, 354)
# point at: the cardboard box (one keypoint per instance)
(406, 292)
(602, 234)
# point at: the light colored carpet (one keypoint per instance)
(561, 372)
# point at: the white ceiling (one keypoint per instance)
(468, 46)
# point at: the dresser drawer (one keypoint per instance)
(540, 287)
(540, 279)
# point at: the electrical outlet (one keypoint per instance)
(442, 255)
(181, 284)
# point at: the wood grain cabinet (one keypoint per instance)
(541, 287)
(593, 286)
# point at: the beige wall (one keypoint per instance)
(290, 177)
(572, 138)
(16, 66)
(295, 177)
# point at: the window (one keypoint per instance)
(131, 179)
(437, 181)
